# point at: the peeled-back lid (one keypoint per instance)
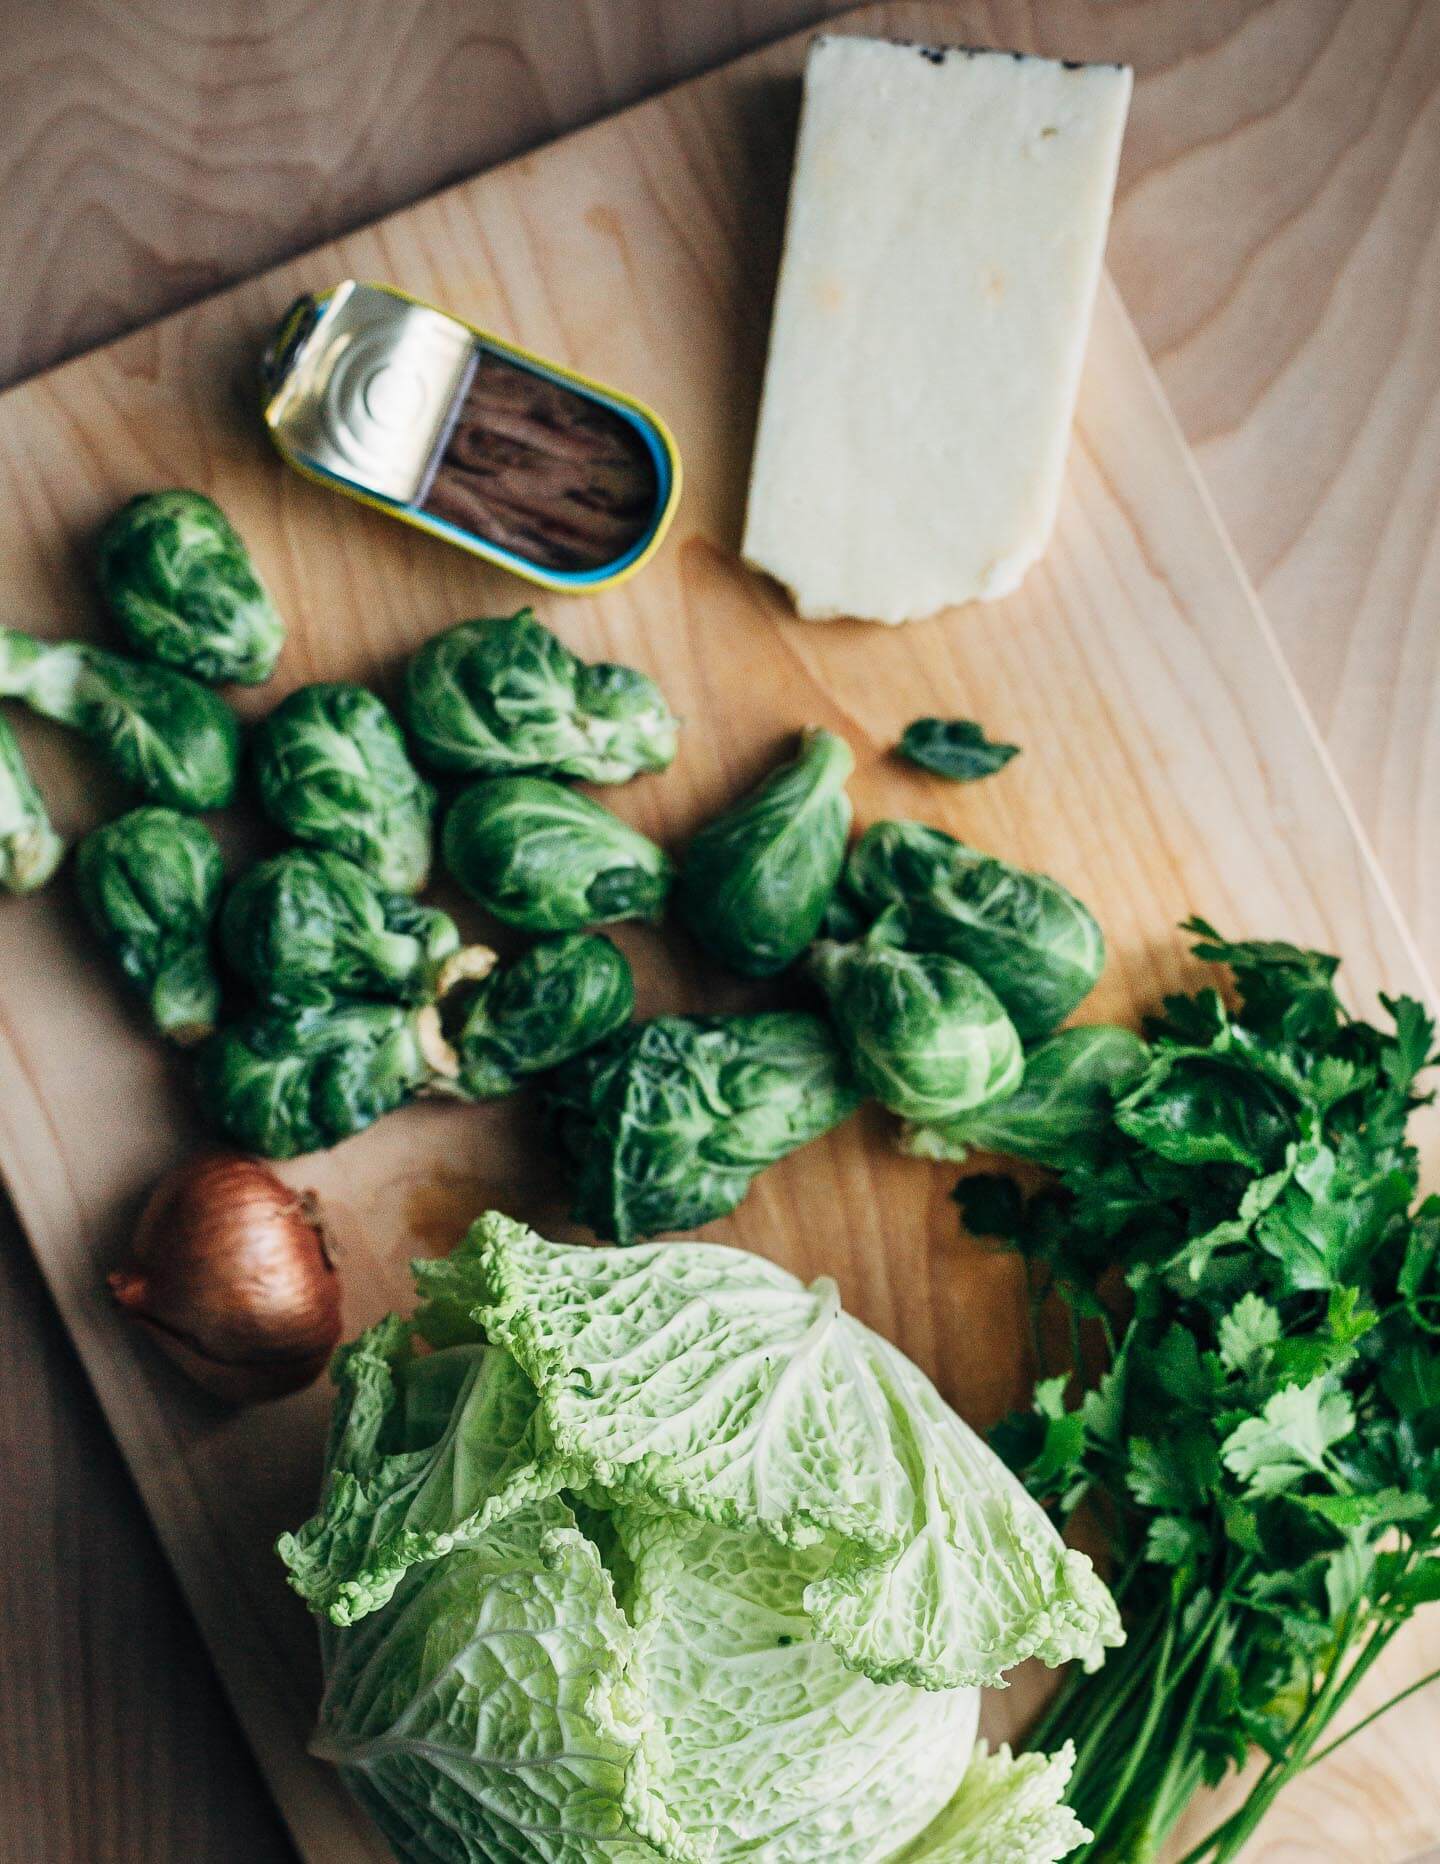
(520, 461)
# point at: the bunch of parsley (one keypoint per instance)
(1262, 1450)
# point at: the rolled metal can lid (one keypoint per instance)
(367, 388)
(451, 429)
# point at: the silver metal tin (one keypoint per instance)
(369, 390)
(363, 389)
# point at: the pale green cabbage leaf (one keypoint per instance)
(1008, 1810)
(655, 1554)
(711, 1382)
(764, 1740)
(490, 1713)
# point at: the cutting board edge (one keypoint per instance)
(1429, 980)
(307, 1793)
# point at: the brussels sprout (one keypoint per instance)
(168, 737)
(291, 1081)
(309, 926)
(561, 998)
(30, 850)
(150, 886)
(539, 856)
(181, 585)
(1060, 1109)
(333, 770)
(755, 884)
(925, 1034)
(666, 1125)
(503, 696)
(1034, 943)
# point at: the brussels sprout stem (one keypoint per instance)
(185, 998)
(437, 1054)
(47, 675)
(30, 850)
(25, 664)
(828, 757)
(466, 966)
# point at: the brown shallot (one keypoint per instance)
(230, 1274)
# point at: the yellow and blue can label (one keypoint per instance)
(457, 432)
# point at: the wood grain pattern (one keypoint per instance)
(1293, 143)
(1275, 241)
(115, 1742)
(171, 147)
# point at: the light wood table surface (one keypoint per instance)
(1277, 240)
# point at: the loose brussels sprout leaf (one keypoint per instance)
(168, 737)
(755, 884)
(291, 1081)
(562, 997)
(1060, 1109)
(1034, 943)
(956, 748)
(544, 858)
(30, 850)
(502, 696)
(180, 583)
(150, 886)
(924, 1033)
(309, 926)
(665, 1125)
(333, 771)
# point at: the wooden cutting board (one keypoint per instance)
(1168, 768)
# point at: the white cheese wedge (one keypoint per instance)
(945, 236)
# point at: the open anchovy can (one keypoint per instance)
(560, 479)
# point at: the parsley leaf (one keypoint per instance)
(1198, 1108)
(1172, 1540)
(1288, 1440)
(1262, 1448)
(1410, 1051)
(1287, 991)
(1379, 1507)
(1171, 1473)
(1247, 1334)
(990, 1205)
(1045, 1444)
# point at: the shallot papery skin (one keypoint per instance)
(230, 1274)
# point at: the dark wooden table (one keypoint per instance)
(1276, 240)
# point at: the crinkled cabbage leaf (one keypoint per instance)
(657, 1554)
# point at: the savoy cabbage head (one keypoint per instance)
(654, 1553)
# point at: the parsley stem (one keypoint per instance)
(1102, 1698)
(1140, 1745)
(1032, 1322)
(1107, 1703)
(1141, 1741)
(1077, 1345)
(1411, 1689)
(1228, 1838)
(1177, 1785)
